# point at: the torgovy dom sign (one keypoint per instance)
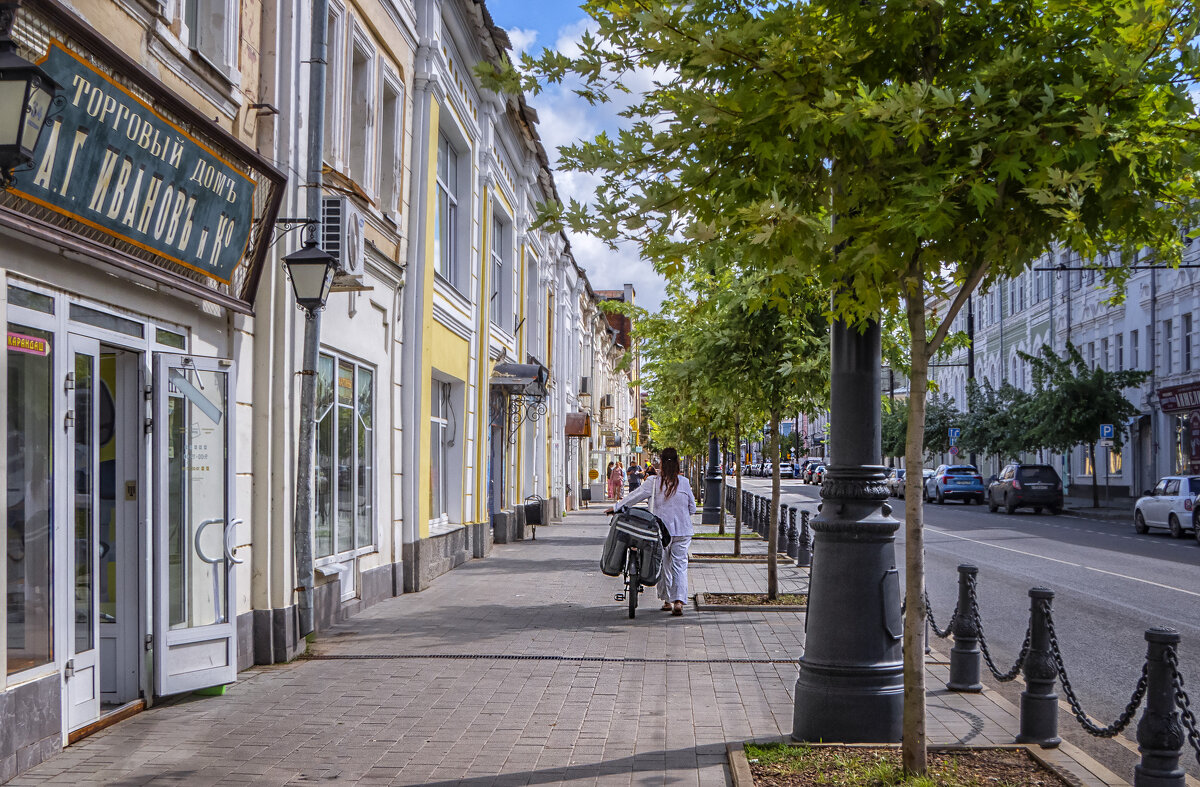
(109, 160)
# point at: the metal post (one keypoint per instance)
(303, 513)
(1159, 733)
(1039, 702)
(793, 535)
(711, 515)
(965, 655)
(850, 686)
(971, 349)
(781, 541)
(804, 553)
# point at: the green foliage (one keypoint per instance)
(1001, 421)
(1072, 400)
(940, 415)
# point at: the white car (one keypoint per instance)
(1172, 504)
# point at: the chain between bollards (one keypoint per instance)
(1183, 702)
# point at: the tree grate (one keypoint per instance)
(532, 657)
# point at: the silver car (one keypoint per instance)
(1171, 504)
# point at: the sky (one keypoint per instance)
(564, 118)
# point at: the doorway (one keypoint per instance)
(105, 609)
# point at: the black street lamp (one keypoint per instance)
(712, 513)
(26, 92)
(311, 270)
(851, 683)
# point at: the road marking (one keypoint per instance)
(1064, 562)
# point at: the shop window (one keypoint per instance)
(19, 296)
(390, 146)
(1181, 450)
(442, 428)
(345, 457)
(446, 214)
(109, 322)
(30, 518)
(213, 31)
(501, 259)
(170, 338)
(1115, 462)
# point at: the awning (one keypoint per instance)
(521, 378)
(579, 425)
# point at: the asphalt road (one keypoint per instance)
(1110, 584)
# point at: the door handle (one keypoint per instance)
(196, 539)
(229, 551)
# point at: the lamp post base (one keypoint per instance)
(711, 514)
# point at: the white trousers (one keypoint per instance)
(672, 586)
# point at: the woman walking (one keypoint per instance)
(674, 504)
(616, 481)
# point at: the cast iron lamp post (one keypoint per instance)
(311, 270)
(851, 683)
(712, 515)
(26, 92)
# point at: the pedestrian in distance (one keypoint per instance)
(635, 476)
(616, 481)
(672, 501)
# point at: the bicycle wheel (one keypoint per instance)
(632, 586)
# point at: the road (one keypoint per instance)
(1110, 584)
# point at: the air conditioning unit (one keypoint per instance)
(606, 401)
(585, 386)
(342, 227)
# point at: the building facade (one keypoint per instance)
(155, 355)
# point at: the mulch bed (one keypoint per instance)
(759, 599)
(781, 765)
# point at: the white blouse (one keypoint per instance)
(675, 511)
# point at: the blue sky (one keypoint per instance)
(532, 25)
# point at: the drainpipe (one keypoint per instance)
(970, 355)
(1152, 349)
(302, 520)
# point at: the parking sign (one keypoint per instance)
(1106, 431)
(955, 433)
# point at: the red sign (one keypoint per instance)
(1179, 397)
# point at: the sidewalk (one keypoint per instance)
(517, 669)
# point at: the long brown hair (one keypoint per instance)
(669, 472)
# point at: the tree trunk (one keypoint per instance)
(913, 752)
(737, 504)
(721, 502)
(1095, 474)
(773, 529)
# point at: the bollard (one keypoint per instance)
(804, 553)
(965, 656)
(1039, 703)
(793, 536)
(756, 504)
(1159, 733)
(781, 544)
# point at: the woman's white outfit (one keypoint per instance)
(676, 513)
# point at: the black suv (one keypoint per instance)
(1026, 486)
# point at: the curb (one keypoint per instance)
(739, 764)
(698, 603)
(728, 560)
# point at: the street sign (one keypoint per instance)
(1106, 443)
(955, 433)
(1106, 431)
(953, 450)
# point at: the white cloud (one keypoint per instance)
(566, 118)
(521, 40)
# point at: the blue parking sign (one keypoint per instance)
(1106, 431)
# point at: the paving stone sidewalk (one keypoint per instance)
(516, 669)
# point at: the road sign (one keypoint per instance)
(953, 450)
(955, 433)
(1106, 431)
(1106, 443)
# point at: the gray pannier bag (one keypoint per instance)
(634, 527)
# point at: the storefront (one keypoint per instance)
(132, 250)
(1181, 410)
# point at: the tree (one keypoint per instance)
(951, 141)
(940, 416)
(1072, 400)
(1001, 422)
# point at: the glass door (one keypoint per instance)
(195, 634)
(82, 673)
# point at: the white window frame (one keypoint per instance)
(1185, 332)
(215, 44)
(335, 87)
(356, 549)
(439, 456)
(362, 172)
(448, 262)
(1168, 339)
(391, 173)
(500, 257)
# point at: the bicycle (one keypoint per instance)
(633, 584)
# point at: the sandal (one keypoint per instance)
(677, 610)
(666, 607)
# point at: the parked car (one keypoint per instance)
(808, 472)
(1174, 503)
(785, 470)
(1026, 486)
(950, 482)
(895, 482)
(818, 474)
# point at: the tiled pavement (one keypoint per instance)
(479, 680)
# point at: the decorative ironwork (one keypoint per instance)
(523, 407)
